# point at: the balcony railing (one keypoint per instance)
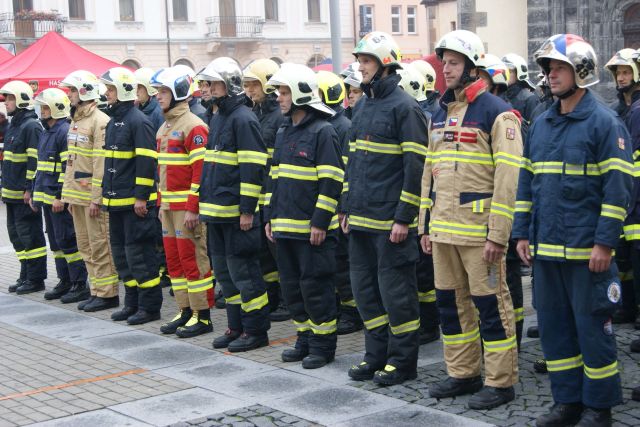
(234, 27)
(29, 27)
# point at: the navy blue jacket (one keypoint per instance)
(153, 111)
(52, 161)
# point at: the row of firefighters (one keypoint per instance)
(272, 184)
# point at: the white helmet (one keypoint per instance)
(464, 42)
(624, 57)
(574, 51)
(22, 91)
(57, 101)
(85, 82)
(143, 76)
(174, 78)
(497, 70)
(519, 64)
(350, 69)
(226, 70)
(102, 100)
(354, 79)
(381, 46)
(124, 81)
(303, 83)
(413, 82)
(427, 71)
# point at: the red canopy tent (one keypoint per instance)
(49, 60)
(5, 55)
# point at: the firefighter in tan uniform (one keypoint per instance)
(473, 161)
(181, 146)
(82, 189)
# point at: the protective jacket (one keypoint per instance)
(270, 118)
(153, 111)
(575, 182)
(523, 100)
(52, 159)
(470, 176)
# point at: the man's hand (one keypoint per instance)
(57, 206)
(492, 252)
(600, 258)
(191, 220)
(246, 221)
(94, 210)
(425, 243)
(344, 223)
(140, 208)
(32, 206)
(524, 252)
(26, 197)
(399, 233)
(317, 236)
(267, 231)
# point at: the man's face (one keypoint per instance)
(164, 97)
(218, 89)
(10, 103)
(355, 93)
(205, 90)
(142, 94)
(284, 99)
(513, 76)
(368, 67)
(45, 112)
(253, 89)
(112, 94)
(624, 75)
(453, 68)
(561, 77)
(74, 96)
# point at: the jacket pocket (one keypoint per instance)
(606, 293)
(477, 202)
(574, 179)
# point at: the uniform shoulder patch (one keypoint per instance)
(511, 133)
(198, 140)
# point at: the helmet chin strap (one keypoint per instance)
(568, 93)
(625, 89)
(466, 76)
(292, 110)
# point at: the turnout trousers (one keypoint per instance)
(347, 303)
(514, 283)
(92, 238)
(235, 258)
(27, 237)
(429, 318)
(466, 283)
(62, 240)
(574, 317)
(187, 262)
(134, 253)
(383, 277)
(307, 276)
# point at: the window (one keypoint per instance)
(184, 61)
(411, 19)
(313, 9)
(180, 11)
(76, 10)
(127, 11)
(395, 19)
(131, 63)
(19, 5)
(271, 10)
(366, 19)
(315, 60)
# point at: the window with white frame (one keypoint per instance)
(76, 10)
(271, 10)
(411, 19)
(127, 11)
(395, 19)
(313, 10)
(366, 19)
(180, 12)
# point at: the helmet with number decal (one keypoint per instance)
(574, 51)
(381, 46)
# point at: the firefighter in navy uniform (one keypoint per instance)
(129, 195)
(303, 191)
(232, 179)
(265, 107)
(574, 190)
(24, 224)
(388, 139)
(625, 70)
(332, 93)
(430, 104)
(55, 109)
(520, 93)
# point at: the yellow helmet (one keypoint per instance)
(22, 91)
(57, 101)
(261, 70)
(143, 75)
(125, 82)
(331, 86)
(427, 71)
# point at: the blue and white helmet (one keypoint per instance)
(176, 79)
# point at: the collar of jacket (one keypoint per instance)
(150, 105)
(339, 109)
(83, 110)
(265, 107)
(180, 109)
(383, 87)
(468, 94)
(120, 109)
(310, 116)
(514, 90)
(231, 103)
(54, 128)
(432, 97)
(582, 111)
(635, 96)
(22, 115)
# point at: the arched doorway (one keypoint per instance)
(631, 27)
(315, 60)
(277, 60)
(184, 61)
(131, 63)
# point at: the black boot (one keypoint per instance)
(294, 354)
(635, 346)
(83, 304)
(229, 336)
(592, 417)
(200, 323)
(280, 314)
(58, 290)
(220, 301)
(142, 316)
(15, 286)
(79, 292)
(123, 314)
(390, 375)
(29, 286)
(99, 304)
(349, 320)
(178, 320)
(362, 372)
(429, 335)
(452, 387)
(315, 361)
(246, 342)
(533, 332)
(635, 394)
(561, 414)
(491, 397)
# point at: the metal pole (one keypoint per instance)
(166, 14)
(336, 48)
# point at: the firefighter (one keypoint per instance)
(332, 92)
(626, 73)
(431, 103)
(55, 109)
(181, 146)
(265, 107)
(232, 179)
(574, 190)
(82, 191)
(469, 184)
(382, 197)
(302, 213)
(520, 93)
(129, 195)
(24, 223)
